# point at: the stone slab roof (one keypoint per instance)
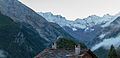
(58, 53)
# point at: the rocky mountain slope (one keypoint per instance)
(111, 37)
(18, 41)
(24, 33)
(81, 27)
(99, 33)
(78, 23)
(111, 31)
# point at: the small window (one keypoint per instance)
(76, 45)
(53, 43)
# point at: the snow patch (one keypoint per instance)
(74, 29)
(86, 29)
(112, 19)
(101, 36)
(92, 29)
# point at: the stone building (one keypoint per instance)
(54, 52)
(54, 45)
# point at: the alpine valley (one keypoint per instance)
(98, 33)
(24, 33)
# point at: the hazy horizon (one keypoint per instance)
(73, 9)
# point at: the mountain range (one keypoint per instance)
(24, 33)
(98, 33)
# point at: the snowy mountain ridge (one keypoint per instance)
(85, 23)
(98, 33)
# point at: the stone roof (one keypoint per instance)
(58, 53)
(91, 53)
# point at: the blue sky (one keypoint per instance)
(72, 9)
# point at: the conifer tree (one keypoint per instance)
(119, 52)
(112, 52)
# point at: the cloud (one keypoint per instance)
(106, 43)
(3, 54)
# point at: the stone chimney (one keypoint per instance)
(54, 45)
(77, 49)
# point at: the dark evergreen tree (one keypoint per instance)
(112, 52)
(119, 52)
(68, 43)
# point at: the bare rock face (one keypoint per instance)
(28, 32)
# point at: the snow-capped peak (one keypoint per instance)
(112, 19)
(88, 22)
(47, 13)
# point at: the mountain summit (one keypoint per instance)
(98, 33)
(80, 28)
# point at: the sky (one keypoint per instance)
(73, 9)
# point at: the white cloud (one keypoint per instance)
(106, 43)
(3, 54)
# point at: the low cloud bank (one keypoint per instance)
(3, 54)
(106, 43)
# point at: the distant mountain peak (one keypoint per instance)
(90, 21)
